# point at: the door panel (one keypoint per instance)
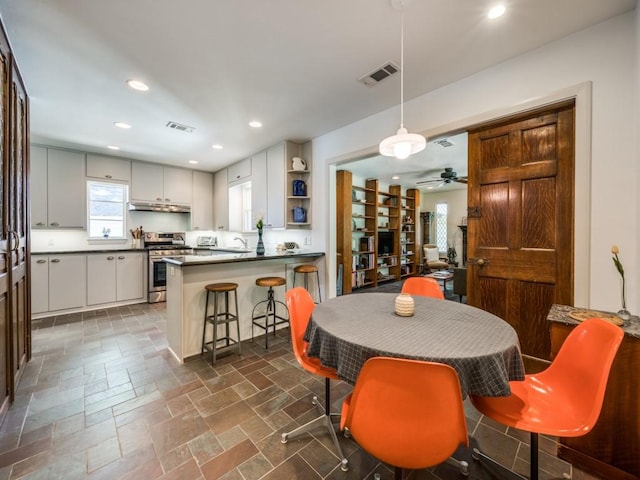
(18, 224)
(5, 233)
(520, 221)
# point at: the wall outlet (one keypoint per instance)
(307, 240)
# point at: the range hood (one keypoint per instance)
(158, 207)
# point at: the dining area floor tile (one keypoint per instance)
(103, 397)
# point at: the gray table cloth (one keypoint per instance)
(346, 331)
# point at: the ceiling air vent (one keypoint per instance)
(180, 127)
(444, 143)
(379, 74)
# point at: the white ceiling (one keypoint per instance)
(217, 64)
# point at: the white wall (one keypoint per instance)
(598, 66)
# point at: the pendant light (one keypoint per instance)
(402, 144)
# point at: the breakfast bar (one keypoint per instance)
(188, 275)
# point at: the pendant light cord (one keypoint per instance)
(402, 67)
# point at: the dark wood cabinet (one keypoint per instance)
(611, 448)
(15, 325)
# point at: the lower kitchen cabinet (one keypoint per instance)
(66, 281)
(77, 282)
(130, 270)
(114, 277)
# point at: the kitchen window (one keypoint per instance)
(107, 215)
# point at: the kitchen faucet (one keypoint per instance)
(242, 240)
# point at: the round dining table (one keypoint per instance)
(344, 332)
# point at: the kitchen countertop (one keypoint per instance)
(102, 250)
(191, 260)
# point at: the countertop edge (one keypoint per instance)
(236, 258)
(102, 250)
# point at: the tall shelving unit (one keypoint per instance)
(362, 213)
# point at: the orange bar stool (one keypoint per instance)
(269, 312)
(220, 318)
(307, 270)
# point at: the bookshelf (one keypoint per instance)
(376, 235)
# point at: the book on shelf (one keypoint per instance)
(367, 243)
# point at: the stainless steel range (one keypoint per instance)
(162, 244)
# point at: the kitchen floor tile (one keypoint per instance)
(103, 398)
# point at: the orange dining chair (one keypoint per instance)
(426, 287)
(565, 399)
(301, 305)
(406, 413)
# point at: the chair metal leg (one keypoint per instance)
(325, 419)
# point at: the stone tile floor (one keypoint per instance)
(103, 398)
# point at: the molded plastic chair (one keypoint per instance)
(301, 305)
(426, 287)
(406, 413)
(565, 399)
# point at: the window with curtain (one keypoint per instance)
(441, 226)
(106, 208)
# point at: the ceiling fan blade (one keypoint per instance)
(461, 179)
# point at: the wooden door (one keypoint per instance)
(520, 221)
(18, 224)
(5, 231)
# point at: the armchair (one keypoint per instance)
(431, 258)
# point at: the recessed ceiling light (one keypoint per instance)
(216, 146)
(122, 125)
(113, 147)
(138, 85)
(496, 12)
(255, 124)
(395, 177)
(194, 162)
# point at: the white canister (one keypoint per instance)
(404, 305)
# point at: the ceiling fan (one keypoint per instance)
(447, 176)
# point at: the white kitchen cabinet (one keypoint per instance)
(114, 277)
(239, 171)
(221, 200)
(38, 189)
(39, 284)
(130, 272)
(202, 204)
(147, 182)
(178, 185)
(59, 190)
(67, 284)
(276, 186)
(155, 183)
(267, 186)
(259, 188)
(101, 278)
(109, 168)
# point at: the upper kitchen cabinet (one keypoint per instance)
(202, 205)
(221, 200)
(267, 185)
(239, 171)
(58, 188)
(155, 183)
(109, 168)
(276, 185)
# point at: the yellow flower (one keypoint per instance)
(616, 261)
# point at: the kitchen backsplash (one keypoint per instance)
(61, 240)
